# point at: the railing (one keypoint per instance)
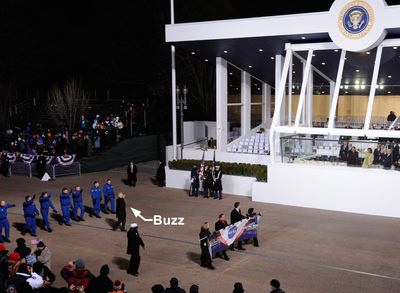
(21, 168)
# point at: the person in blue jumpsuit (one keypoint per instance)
(30, 212)
(78, 204)
(95, 193)
(45, 205)
(65, 200)
(108, 191)
(4, 221)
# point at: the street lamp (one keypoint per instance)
(181, 105)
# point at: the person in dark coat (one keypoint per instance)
(131, 171)
(134, 243)
(204, 236)
(120, 213)
(194, 181)
(352, 157)
(41, 165)
(160, 176)
(77, 277)
(102, 283)
(276, 286)
(30, 212)
(391, 117)
(47, 276)
(21, 248)
(19, 280)
(3, 265)
(236, 216)
(174, 287)
(208, 182)
(217, 183)
(251, 213)
(219, 225)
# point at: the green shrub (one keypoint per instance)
(238, 169)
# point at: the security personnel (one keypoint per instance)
(219, 225)
(208, 182)
(78, 203)
(95, 193)
(65, 201)
(195, 181)
(4, 221)
(45, 205)
(108, 191)
(30, 211)
(134, 243)
(218, 183)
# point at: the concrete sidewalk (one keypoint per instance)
(307, 250)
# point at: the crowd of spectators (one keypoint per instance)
(91, 137)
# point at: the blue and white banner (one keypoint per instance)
(66, 160)
(26, 158)
(245, 229)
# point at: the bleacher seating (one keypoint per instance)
(256, 143)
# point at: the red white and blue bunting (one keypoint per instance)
(49, 159)
(66, 160)
(12, 157)
(26, 158)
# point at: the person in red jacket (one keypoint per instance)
(77, 278)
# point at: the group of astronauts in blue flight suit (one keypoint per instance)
(76, 195)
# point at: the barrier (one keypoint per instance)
(20, 168)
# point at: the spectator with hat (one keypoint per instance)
(19, 281)
(78, 278)
(174, 287)
(119, 287)
(102, 283)
(43, 254)
(14, 260)
(134, 243)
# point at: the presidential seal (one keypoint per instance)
(356, 19)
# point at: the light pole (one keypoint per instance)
(181, 105)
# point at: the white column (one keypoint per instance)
(332, 109)
(331, 93)
(279, 60)
(306, 74)
(173, 85)
(222, 102)
(290, 93)
(266, 104)
(309, 99)
(245, 94)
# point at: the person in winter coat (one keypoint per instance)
(102, 283)
(120, 213)
(131, 172)
(43, 254)
(77, 278)
(134, 243)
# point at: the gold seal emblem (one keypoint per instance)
(356, 19)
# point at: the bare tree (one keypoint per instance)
(67, 103)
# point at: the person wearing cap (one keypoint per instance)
(65, 201)
(102, 283)
(134, 243)
(238, 288)
(14, 261)
(77, 200)
(21, 248)
(45, 205)
(109, 197)
(174, 287)
(30, 212)
(276, 286)
(4, 223)
(43, 254)
(120, 213)
(19, 281)
(95, 194)
(119, 287)
(217, 183)
(78, 278)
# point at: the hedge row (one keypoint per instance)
(239, 169)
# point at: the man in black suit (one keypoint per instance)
(236, 216)
(134, 243)
(221, 224)
(131, 171)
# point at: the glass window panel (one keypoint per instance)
(234, 122)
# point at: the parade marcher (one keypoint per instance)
(45, 205)
(134, 243)
(41, 165)
(65, 201)
(217, 183)
(251, 213)
(78, 204)
(120, 213)
(160, 176)
(208, 182)
(4, 223)
(95, 193)
(236, 216)
(194, 181)
(132, 171)
(204, 236)
(108, 191)
(30, 212)
(221, 224)
(21, 248)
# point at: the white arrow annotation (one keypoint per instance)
(137, 213)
